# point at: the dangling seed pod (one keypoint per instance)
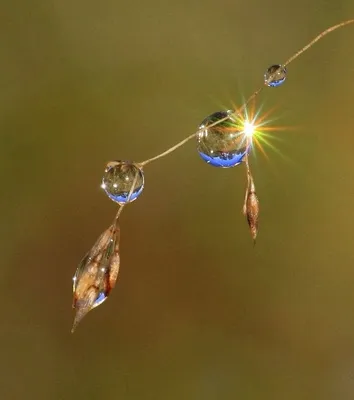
(251, 205)
(97, 274)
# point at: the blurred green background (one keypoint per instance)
(197, 313)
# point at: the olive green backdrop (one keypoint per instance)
(197, 313)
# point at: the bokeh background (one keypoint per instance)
(198, 313)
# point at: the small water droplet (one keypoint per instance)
(275, 75)
(100, 299)
(118, 179)
(225, 144)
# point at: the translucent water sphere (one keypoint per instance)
(118, 180)
(275, 75)
(224, 144)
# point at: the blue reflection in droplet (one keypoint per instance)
(123, 197)
(224, 160)
(100, 299)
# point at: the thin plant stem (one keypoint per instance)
(244, 209)
(173, 148)
(121, 206)
(252, 97)
(316, 39)
(119, 212)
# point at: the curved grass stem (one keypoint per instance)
(252, 97)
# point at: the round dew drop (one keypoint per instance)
(224, 144)
(118, 180)
(275, 75)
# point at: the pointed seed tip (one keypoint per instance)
(75, 323)
(80, 313)
(74, 327)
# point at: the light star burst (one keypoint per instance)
(259, 128)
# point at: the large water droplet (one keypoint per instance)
(224, 144)
(118, 180)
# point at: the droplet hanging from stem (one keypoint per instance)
(97, 273)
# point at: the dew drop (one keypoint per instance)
(275, 75)
(118, 180)
(224, 144)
